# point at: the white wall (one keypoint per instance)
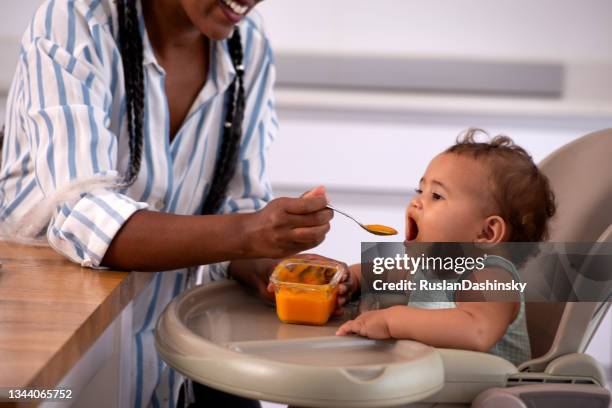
(502, 29)
(575, 33)
(565, 30)
(15, 17)
(372, 163)
(335, 132)
(16, 14)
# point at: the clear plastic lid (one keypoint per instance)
(307, 273)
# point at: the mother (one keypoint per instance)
(136, 138)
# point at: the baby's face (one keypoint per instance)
(452, 201)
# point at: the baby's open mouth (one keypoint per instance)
(413, 230)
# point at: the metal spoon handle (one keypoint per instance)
(372, 229)
(343, 213)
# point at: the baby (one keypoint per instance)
(484, 193)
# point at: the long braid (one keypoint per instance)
(1, 142)
(225, 165)
(132, 57)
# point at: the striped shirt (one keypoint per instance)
(66, 130)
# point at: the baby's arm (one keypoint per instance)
(470, 326)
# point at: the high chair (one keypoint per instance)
(220, 336)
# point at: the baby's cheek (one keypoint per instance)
(460, 229)
(437, 229)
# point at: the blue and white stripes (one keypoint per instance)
(66, 123)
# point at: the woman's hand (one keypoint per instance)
(350, 283)
(287, 226)
(255, 274)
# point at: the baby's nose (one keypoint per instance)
(416, 202)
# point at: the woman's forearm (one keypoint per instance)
(152, 241)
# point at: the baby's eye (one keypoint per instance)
(437, 196)
(418, 191)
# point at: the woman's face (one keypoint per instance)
(217, 18)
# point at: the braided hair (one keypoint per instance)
(1, 142)
(131, 45)
(131, 55)
(232, 131)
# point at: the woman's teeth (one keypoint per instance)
(236, 8)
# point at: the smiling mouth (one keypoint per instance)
(236, 7)
(413, 230)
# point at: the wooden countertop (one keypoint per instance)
(52, 311)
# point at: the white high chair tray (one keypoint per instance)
(221, 336)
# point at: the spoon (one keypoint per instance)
(375, 229)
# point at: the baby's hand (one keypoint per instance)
(373, 325)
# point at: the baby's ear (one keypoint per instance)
(493, 230)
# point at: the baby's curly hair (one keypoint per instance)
(521, 193)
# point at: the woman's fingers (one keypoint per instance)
(314, 219)
(311, 235)
(317, 191)
(287, 226)
(304, 205)
(338, 312)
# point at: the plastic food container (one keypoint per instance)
(306, 290)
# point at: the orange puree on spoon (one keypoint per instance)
(380, 229)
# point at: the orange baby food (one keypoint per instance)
(381, 229)
(295, 305)
(305, 290)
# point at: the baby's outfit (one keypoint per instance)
(514, 345)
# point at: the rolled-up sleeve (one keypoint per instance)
(68, 111)
(84, 231)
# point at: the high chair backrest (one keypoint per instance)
(580, 175)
